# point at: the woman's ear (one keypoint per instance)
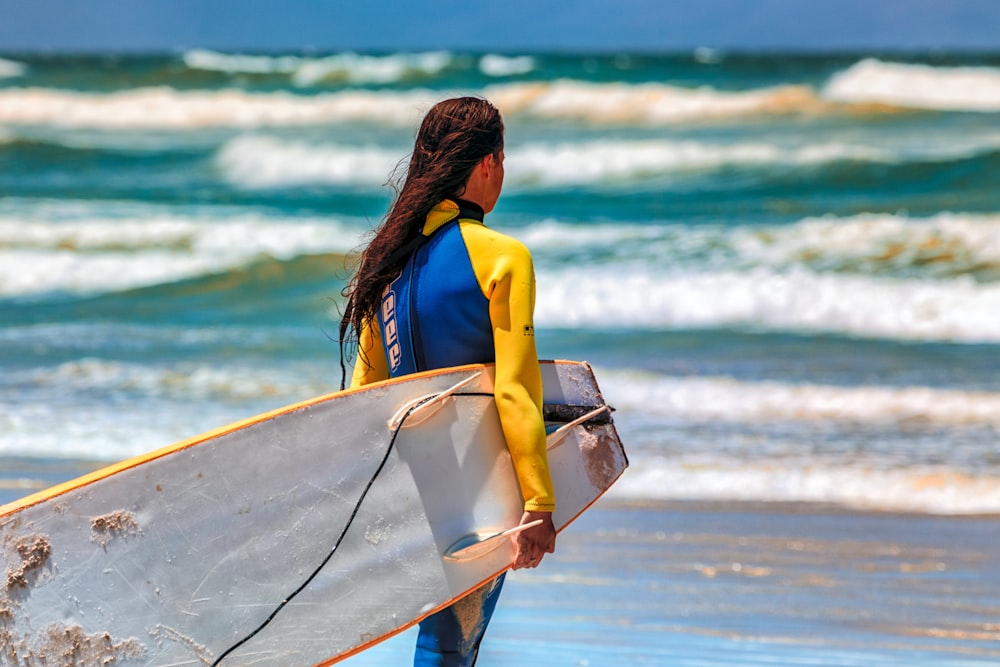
(481, 172)
(487, 164)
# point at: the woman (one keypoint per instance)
(436, 288)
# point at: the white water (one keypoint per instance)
(877, 276)
(918, 86)
(343, 67)
(10, 69)
(262, 161)
(167, 108)
(798, 300)
(102, 254)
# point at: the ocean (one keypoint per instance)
(784, 268)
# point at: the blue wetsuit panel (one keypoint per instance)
(438, 313)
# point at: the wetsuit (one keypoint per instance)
(466, 295)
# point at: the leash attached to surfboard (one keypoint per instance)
(418, 409)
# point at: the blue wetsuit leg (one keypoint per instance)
(451, 637)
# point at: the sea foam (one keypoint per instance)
(714, 399)
(308, 71)
(596, 103)
(647, 103)
(167, 108)
(184, 381)
(493, 64)
(169, 403)
(870, 244)
(566, 100)
(213, 61)
(793, 300)
(779, 454)
(10, 69)
(605, 161)
(942, 245)
(261, 161)
(95, 255)
(932, 490)
(917, 86)
(267, 162)
(359, 69)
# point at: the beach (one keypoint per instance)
(784, 269)
(736, 584)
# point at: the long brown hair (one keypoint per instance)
(453, 138)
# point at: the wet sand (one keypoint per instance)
(734, 584)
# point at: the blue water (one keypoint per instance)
(785, 269)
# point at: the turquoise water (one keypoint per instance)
(785, 269)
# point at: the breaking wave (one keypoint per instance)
(87, 256)
(10, 69)
(566, 100)
(932, 489)
(259, 161)
(918, 86)
(348, 67)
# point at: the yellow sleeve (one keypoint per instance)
(504, 270)
(371, 365)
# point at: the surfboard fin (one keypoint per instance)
(557, 437)
(475, 545)
(419, 409)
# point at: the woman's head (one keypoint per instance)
(454, 138)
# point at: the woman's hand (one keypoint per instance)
(531, 544)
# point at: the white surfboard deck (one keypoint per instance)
(177, 557)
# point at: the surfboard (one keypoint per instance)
(297, 537)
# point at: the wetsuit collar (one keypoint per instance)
(452, 209)
(468, 210)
